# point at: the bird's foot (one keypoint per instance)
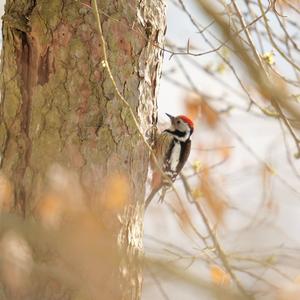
(162, 195)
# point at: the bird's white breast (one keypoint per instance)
(174, 159)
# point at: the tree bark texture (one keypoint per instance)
(58, 103)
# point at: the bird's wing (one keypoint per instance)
(184, 155)
(161, 148)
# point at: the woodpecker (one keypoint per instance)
(171, 149)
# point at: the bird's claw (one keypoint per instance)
(162, 196)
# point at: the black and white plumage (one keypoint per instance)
(171, 148)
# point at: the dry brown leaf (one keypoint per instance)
(218, 276)
(267, 171)
(193, 106)
(225, 152)
(212, 196)
(287, 3)
(184, 218)
(196, 105)
(209, 114)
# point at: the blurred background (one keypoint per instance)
(242, 168)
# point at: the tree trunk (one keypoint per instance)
(59, 106)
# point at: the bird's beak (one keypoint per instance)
(171, 117)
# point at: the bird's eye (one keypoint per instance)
(178, 122)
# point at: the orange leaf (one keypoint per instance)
(225, 152)
(212, 196)
(183, 217)
(193, 106)
(218, 276)
(285, 3)
(209, 114)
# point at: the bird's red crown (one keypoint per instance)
(187, 120)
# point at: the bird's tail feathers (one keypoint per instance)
(152, 194)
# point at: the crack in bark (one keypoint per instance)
(44, 68)
(26, 66)
(4, 142)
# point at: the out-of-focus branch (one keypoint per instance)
(273, 90)
(157, 283)
(227, 62)
(172, 269)
(122, 98)
(216, 243)
(272, 40)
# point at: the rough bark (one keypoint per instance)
(58, 104)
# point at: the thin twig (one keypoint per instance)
(124, 101)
